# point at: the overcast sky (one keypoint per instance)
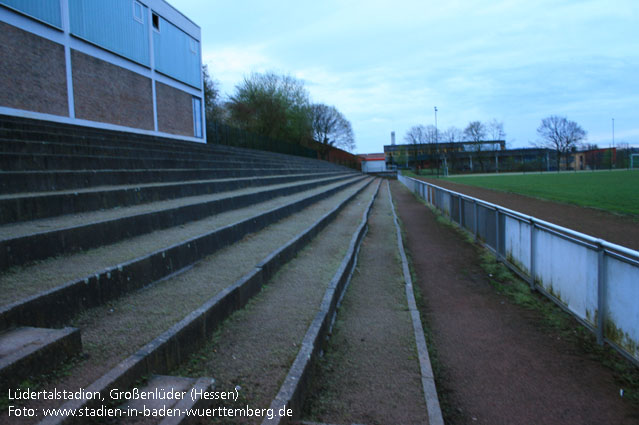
(386, 64)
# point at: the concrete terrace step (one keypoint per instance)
(24, 281)
(25, 242)
(169, 348)
(256, 347)
(38, 181)
(190, 390)
(38, 131)
(28, 351)
(24, 162)
(58, 148)
(23, 207)
(122, 147)
(153, 150)
(22, 148)
(48, 293)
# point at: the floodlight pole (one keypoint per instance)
(613, 141)
(436, 124)
(436, 140)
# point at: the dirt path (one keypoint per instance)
(498, 365)
(615, 228)
(370, 373)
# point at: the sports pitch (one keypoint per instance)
(615, 191)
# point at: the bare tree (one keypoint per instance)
(475, 131)
(331, 128)
(560, 134)
(416, 135)
(495, 130)
(420, 134)
(452, 135)
(424, 135)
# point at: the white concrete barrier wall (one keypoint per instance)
(568, 271)
(622, 304)
(517, 239)
(582, 274)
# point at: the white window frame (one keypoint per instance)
(138, 6)
(197, 118)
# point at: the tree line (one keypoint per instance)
(555, 132)
(278, 107)
(475, 131)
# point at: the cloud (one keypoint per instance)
(228, 64)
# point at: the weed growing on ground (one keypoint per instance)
(553, 318)
(40, 382)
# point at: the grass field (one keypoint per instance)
(615, 191)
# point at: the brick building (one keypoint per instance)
(132, 65)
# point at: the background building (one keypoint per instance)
(132, 65)
(373, 162)
(469, 157)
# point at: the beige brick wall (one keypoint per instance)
(32, 72)
(175, 110)
(108, 93)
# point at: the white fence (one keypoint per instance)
(594, 280)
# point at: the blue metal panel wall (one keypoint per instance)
(111, 25)
(45, 10)
(177, 54)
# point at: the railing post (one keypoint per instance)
(497, 232)
(450, 206)
(532, 254)
(601, 293)
(460, 212)
(476, 219)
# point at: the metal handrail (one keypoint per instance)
(595, 241)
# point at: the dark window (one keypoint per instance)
(156, 22)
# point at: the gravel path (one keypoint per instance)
(498, 364)
(257, 345)
(620, 229)
(370, 373)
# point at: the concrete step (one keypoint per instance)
(32, 206)
(58, 148)
(50, 292)
(22, 243)
(258, 345)
(37, 130)
(41, 181)
(95, 148)
(117, 363)
(25, 162)
(175, 394)
(27, 351)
